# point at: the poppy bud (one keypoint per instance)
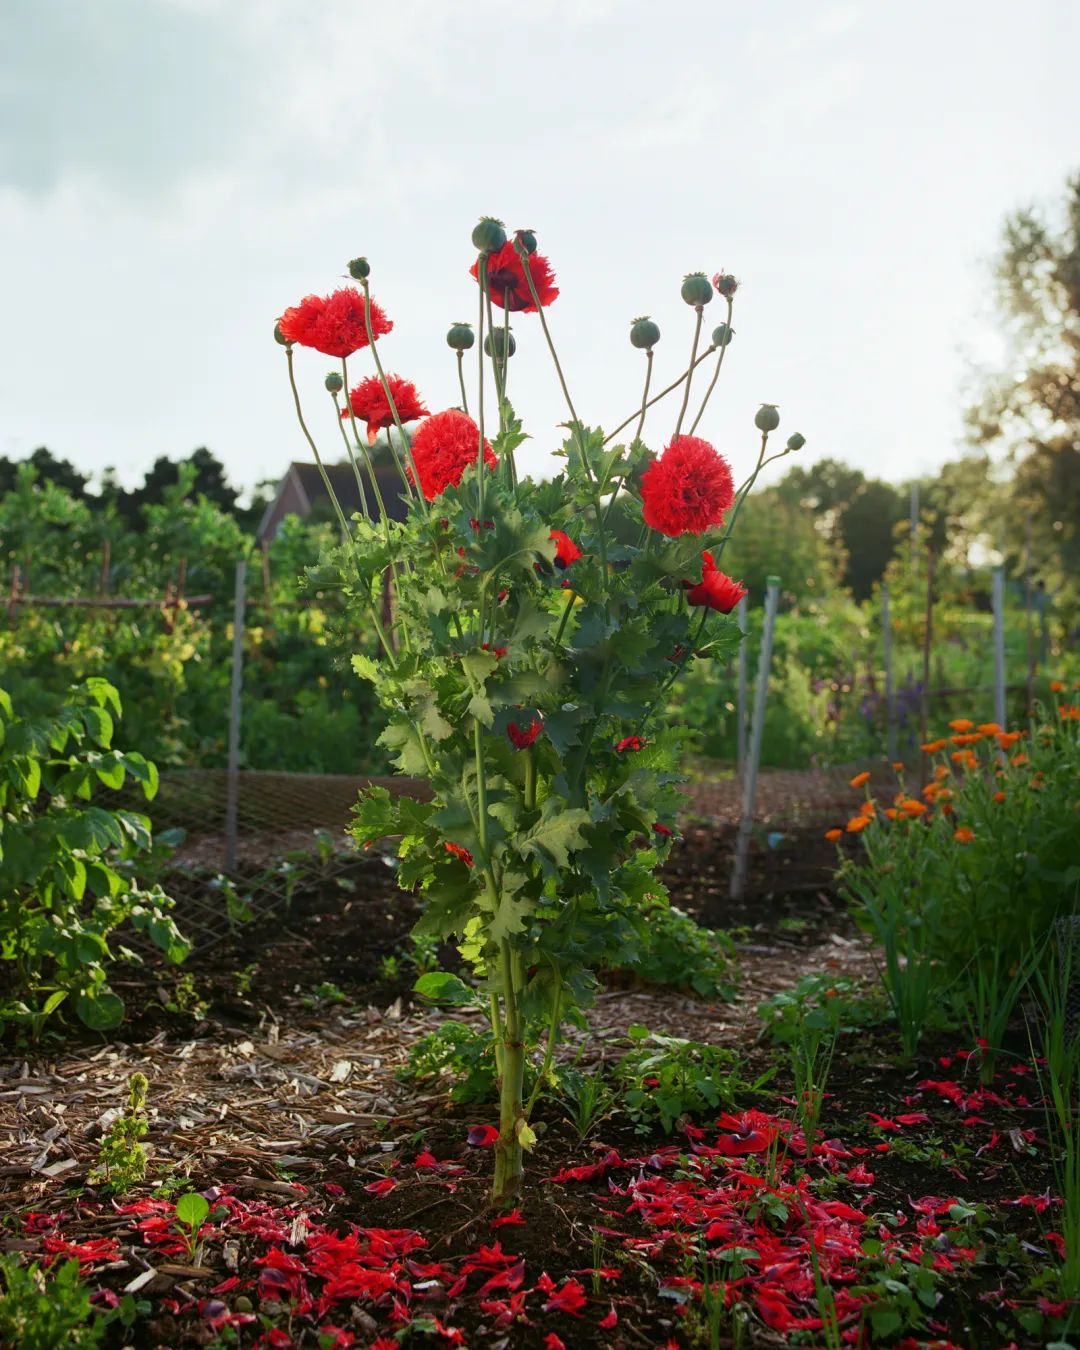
(767, 418)
(489, 235)
(279, 336)
(796, 441)
(725, 284)
(525, 240)
(497, 334)
(334, 382)
(644, 334)
(359, 269)
(696, 290)
(461, 337)
(722, 335)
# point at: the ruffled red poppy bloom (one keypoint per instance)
(688, 489)
(369, 403)
(566, 551)
(630, 743)
(507, 282)
(333, 324)
(521, 737)
(459, 852)
(444, 446)
(715, 590)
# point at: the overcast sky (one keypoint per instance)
(174, 173)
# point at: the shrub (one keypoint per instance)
(68, 878)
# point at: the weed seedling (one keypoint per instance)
(191, 1213)
(121, 1158)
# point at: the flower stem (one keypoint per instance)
(716, 373)
(662, 394)
(349, 451)
(481, 272)
(637, 433)
(461, 381)
(693, 354)
(566, 614)
(744, 492)
(415, 483)
(364, 450)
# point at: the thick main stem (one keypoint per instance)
(509, 1155)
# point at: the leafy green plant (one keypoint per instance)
(808, 1021)
(41, 1310)
(192, 1211)
(676, 952)
(121, 1157)
(459, 1052)
(667, 1077)
(537, 629)
(69, 864)
(586, 1098)
(186, 1000)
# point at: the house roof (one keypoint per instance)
(343, 481)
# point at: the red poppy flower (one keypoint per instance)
(630, 743)
(333, 324)
(716, 590)
(661, 829)
(369, 403)
(688, 489)
(444, 446)
(566, 551)
(523, 738)
(507, 282)
(459, 852)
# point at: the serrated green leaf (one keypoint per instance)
(554, 836)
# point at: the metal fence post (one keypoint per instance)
(235, 683)
(757, 728)
(740, 697)
(999, 645)
(886, 643)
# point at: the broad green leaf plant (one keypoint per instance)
(535, 632)
(67, 864)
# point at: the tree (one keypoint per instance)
(1032, 409)
(202, 470)
(47, 469)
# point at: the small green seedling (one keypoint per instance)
(121, 1158)
(192, 1211)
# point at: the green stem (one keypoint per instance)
(549, 1052)
(497, 1031)
(481, 272)
(743, 493)
(566, 615)
(508, 1152)
(637, 433)
(461, 381)
(409, 486)
(700, 309)
(662, 394)
(716, 372)
(349, 450)
(364, 451)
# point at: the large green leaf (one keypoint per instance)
(555, 835)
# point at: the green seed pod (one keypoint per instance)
(359, 269)
(498, 344)
(644, 334)
(526, 239)
(489, 235)
(334, 382)
(280, 337)
(461, 337)
(242, 1304)
(767, 418)
(696, 289)
(722, 335)
(796, 441)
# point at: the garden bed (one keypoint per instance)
(276, 1092)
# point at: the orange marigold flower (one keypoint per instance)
(833, 835)
(867, 808)
(860, 779)
(961, 724)
(857, 823)
(990, 729)
(944, 795)
(963, 835)
(942, 771)
(930, 791)
(967, 738)
(1056, 686)
(1019, 759)
(999, 797)
(958, 755)
(971, 760)
(1007, 739)
(932, 747)
(910, 807)
(898, 765)
(891, 812)
(1069, 712)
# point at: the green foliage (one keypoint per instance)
(678, 953)
(42, 1310)
(192, 1211)
(962, 889)
(121, 1157)
(586, 1098)
(667, 1077)
(459, 1052)
(69, 864)
(807, 1021)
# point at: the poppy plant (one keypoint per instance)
(522, 699)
